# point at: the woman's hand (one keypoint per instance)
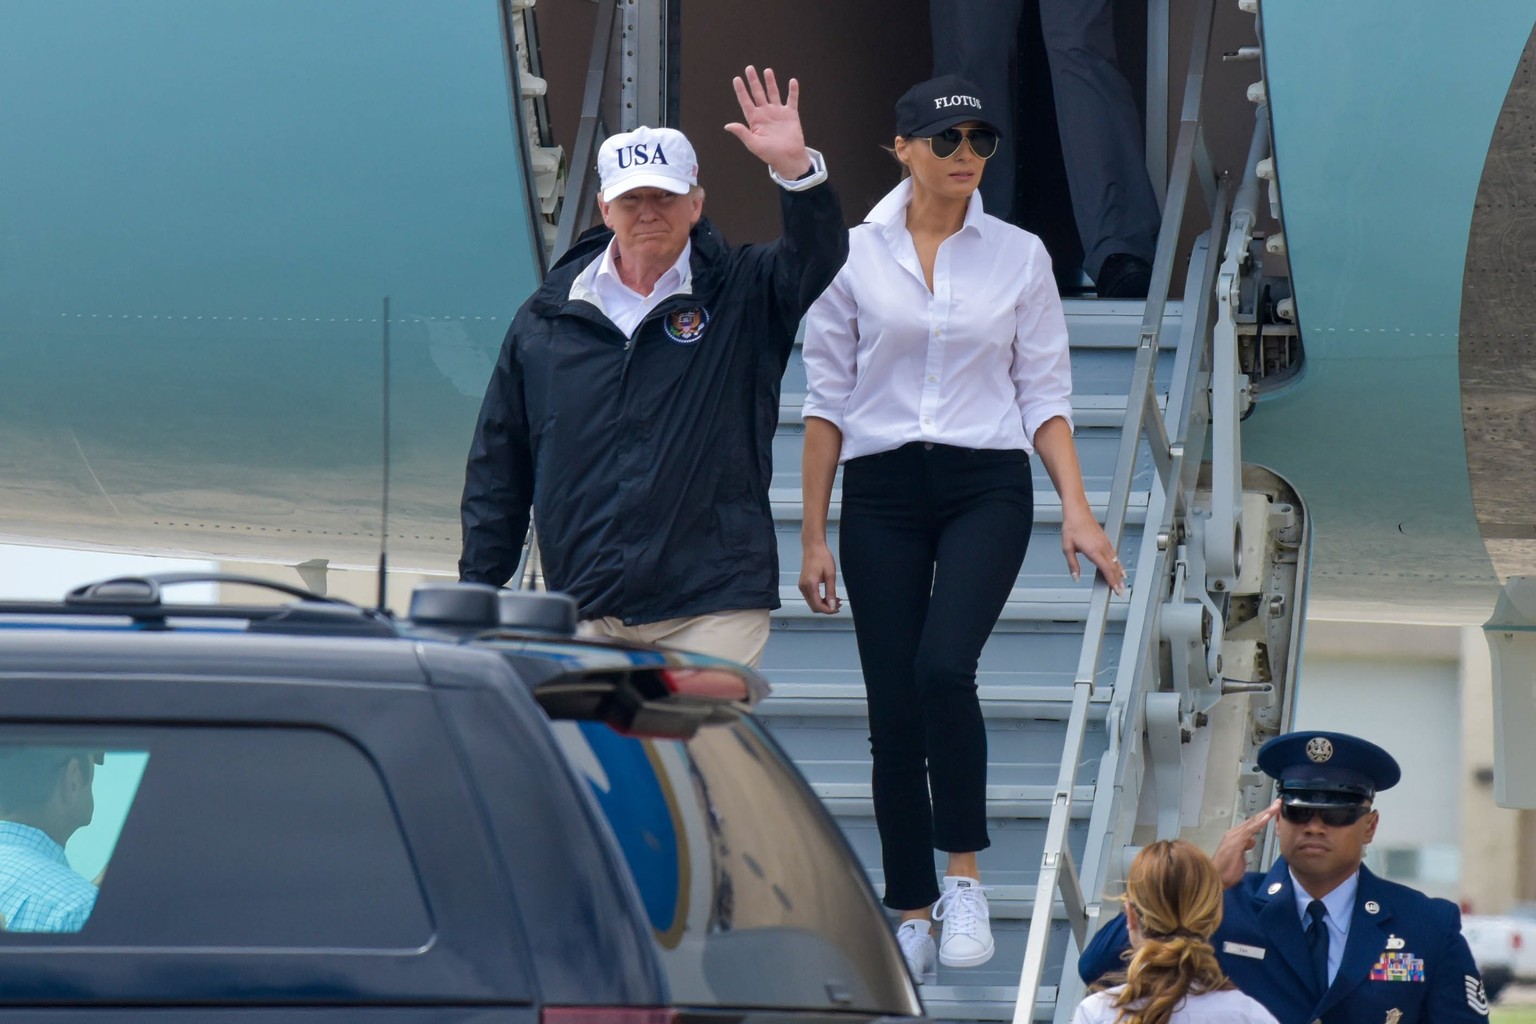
(1082, 534)
(1080, 531)
(818, 579)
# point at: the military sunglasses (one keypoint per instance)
(1336, 816)
(947, 142)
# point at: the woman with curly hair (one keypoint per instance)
(1172, 905)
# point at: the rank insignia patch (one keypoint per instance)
(1477, 997)
(1398, 967)
(686, 326)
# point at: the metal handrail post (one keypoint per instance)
(581, 188)
(1223, 537)
(1182, 424)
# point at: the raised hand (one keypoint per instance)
(1231, 854)
(772, 130)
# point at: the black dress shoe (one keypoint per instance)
(1124, 276)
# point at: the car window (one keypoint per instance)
(205, 837)
(739, 869)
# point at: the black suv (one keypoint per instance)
(310, 811)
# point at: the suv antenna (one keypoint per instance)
(383, 608)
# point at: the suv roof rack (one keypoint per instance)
(455, 610)
(139, 598)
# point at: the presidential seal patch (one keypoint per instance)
(686, 326)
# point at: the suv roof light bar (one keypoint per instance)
(449, 605)
(537, 611)
(480, 606)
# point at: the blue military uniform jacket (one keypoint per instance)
(1405, 961)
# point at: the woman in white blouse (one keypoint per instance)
(937, 363)
(1173, 902)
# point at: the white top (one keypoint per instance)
(1341, 907)
(979, 362)
(599, 283)
(1226, 1007)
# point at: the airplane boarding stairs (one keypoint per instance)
(1110, 721)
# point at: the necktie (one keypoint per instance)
(1317, 943)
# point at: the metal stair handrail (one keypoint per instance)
(1058, 873)
(1202, 364)
(1207, 359)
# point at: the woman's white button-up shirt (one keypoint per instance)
(980, 362)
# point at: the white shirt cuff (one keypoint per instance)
(1039, 415)
(816, 177)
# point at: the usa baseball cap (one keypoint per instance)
(939, 103)
(647, 158)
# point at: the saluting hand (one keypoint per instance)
(1231, 854)
(772, 132)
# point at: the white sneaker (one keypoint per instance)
(967, 939)
(915, 938)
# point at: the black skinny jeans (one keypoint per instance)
(932, 540)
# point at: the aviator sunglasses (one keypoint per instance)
(947, 142)
(1333, 817)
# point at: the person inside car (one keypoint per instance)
(45, 797)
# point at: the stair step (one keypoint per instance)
(854, 798)
(1095, 412)
(981, 1002)
(1043, 568)
(787, 506)
(992, 988)
(997, 702)
(1040, 604)
(1013, 858)
(1104, 368)
(1097, 451)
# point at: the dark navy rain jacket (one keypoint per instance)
(647, 460)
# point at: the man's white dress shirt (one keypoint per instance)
(981, 361)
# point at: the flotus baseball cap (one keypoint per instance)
(939, 103)
(647, 158)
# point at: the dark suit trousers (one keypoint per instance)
(1101, 136)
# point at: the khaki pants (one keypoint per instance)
(739, 636)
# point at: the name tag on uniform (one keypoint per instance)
(1238, 949)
